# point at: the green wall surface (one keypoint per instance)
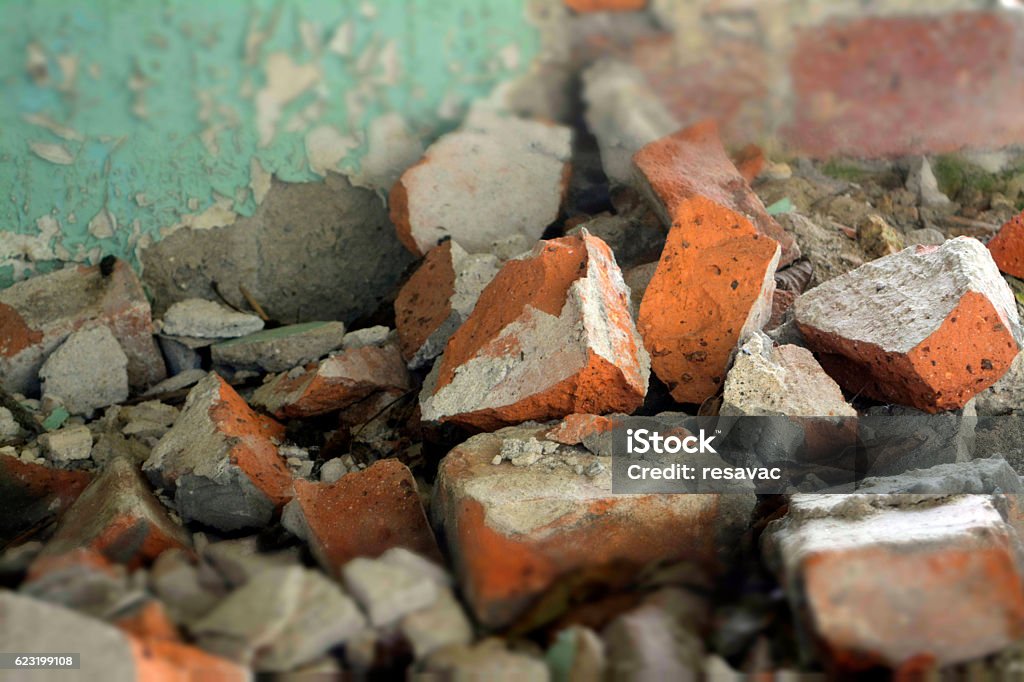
(121, 120)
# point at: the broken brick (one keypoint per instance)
(36, 315)
(335, 383)
(692, 163)
(712, 289)
(1007, 247)
(280, 349)
(514, 531)
(381, 507)
(221, 461)
(862, 573)
(150, 621)
(583, 6)
(550, 335)
(575, 428)
(119, 517)
(928, 327)
(470, 185)
(749, 162)
(438, 298)
(162, 660)
(32, 496)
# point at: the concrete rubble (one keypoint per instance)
(38, 314)
(549, 336)
(928, 327)
(199, 318)
(546, 520)
(280, 349)
(438, 298)
(86, 372)
(220, 461)
(469, 184)
(858, 571)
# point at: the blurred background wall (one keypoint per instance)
(122, 121)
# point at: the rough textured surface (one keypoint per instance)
(862, 572)
(340, 232)
(438, 298)
(388, 589)
(37, 315)
(1006, 396)
(118, 517)
(197, 317)
(780, 380)
(624, 114)
(280, 349)
(30, 625)
(1007, 247)
(712, 288)
(68, 444)
(692, 163)
(221, 460)
(381, 508)
(829, 252)
(928, 327)
(88, 371)
(515, 530)
(471, 184)
(334, 383)
(551, 335)
(33, 495)
(283, 618)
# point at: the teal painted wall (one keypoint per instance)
(120, 119)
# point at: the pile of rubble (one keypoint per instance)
(214, 492)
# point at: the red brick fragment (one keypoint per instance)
(362, 514)
(713, 287)
(1007, 247)
(34, 495)
(692, 163)
(583, 6)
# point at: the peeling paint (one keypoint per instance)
(141, 118)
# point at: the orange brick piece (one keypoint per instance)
(515, 530)
(877, 584)
(32, 496)
(334, 383)
(438, 298)
(221, 460)
(362, 514)
(928, 327)
(550, 335)
(119, 517)
(583, 6)
(1007, 247)
(692, 163)
(713, 287)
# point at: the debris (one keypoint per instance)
(928, 327)
(88, 371)
(336, 382)
(471, 184)
(861, 572)
(33, 495)
(635, 236)
(660, 640)
(377, 335)
(38, 314)
(280, 349)
(486, 660)
(922, 184)
(30, 625)
(199, 318)
(438, 298)
(546, 521)
(712, 289)
(180, 357)
(220, 460)
(877, 238)
(281, 619)
(382, 509)
(1007, 247)
(330, 228)
(624, 114)
(68, 444)
(1006, 396)
(118, 516)
(442, 624)
(550, 335)
(387, 589)
(691, 164)
(829, 253)
(780, 380)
